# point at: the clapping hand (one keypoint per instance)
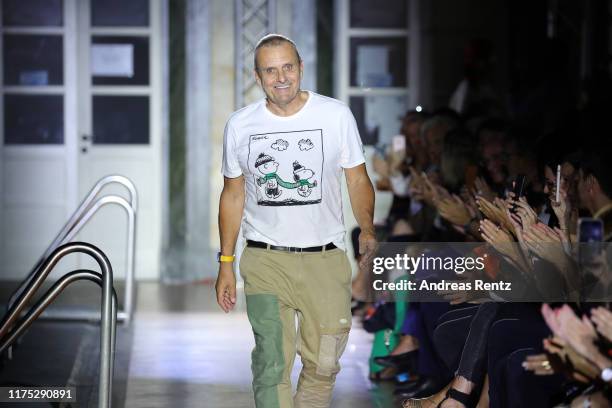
(454, 210)
(483, 189)
(578, 332)
(501, 240)
(545, 243)
(496, 212)
(603, 321)
(525, 213)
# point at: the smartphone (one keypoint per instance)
(590, 238)
(518, 186)
(398, 143)
(558, 185)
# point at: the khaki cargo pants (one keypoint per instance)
(315, 286)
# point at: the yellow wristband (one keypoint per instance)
(225, 258)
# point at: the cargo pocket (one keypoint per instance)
(331, 347)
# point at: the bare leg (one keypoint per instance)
(483, 402)
(407, 343)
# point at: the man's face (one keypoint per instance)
(495, 159)
(434, 141)
(410, 129)
(583, 190)
(279, 73)
(569, 181)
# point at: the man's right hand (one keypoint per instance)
(226, 286)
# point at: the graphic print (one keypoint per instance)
(287, 167)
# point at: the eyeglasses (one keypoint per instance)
(271, 72)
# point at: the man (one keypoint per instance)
(595, 187)
(295, 262)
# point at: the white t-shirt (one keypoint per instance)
(293, 168)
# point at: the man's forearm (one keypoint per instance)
(230, 216)
(361, 194)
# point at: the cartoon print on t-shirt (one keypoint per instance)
(305, 144)
(268, 167)
(301, 176)
(280, 145)
(287, 167)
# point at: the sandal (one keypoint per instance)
(461, 397)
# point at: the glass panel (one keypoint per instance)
(378, 118)
(33, 59)
(364, 14)
(33, 119)
(119, 13)
(32, 13)
(120, 60)
(378, 62)
(121, 119)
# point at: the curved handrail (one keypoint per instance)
(89, 198)
(129, 274)
(129, 271)
(74, 219)
(48, 298)
(108, 320)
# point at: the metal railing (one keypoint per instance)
(108, 320)
(75, 223)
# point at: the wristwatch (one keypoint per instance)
(225, 258)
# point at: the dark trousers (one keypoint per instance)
(429, 362)
(516, 334)
(461, 340)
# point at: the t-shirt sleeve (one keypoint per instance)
(352, 149)
(230, 166)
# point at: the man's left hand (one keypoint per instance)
(367, 247)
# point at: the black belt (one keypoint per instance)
(257, 244)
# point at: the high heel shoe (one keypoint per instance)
(404, 360)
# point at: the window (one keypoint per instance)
(120, 119)
(35, 60)
(119, 13)
(33, 119)
(48, 13)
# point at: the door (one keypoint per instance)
(37, 128)
(80, 99)
(119, 128)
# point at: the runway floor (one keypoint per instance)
(187, 353)
(180, 351)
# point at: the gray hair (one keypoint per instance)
(273, 39)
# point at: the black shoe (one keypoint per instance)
(404, 360)
(422, 389)
(357, 306)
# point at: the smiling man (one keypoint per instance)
(283, 159)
